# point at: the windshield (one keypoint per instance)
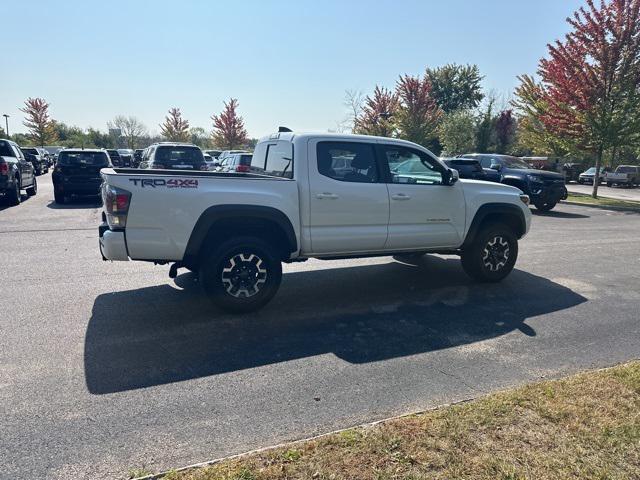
(513, 162)
(591, 171)
(625, 170)
(30, 150)
(96, 159)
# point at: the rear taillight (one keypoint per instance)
(116, 204)
(242, 168)
(4, 169)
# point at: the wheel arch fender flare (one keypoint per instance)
(217, 213)
(507, 213)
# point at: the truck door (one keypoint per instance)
(349, 201)
(423, 211)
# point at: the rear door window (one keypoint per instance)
(5, 150)
(347, 161)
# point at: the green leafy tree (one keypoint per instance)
(198, 136)
(485, 131)
(377, 115)
(533, 136)
(418, 114)
(455, 87)
(3, 134)
(38, 122)
(457, 132)
(228, 127)
(99, 139)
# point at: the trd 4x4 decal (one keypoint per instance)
(160, 182)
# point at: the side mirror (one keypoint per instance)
(496, 166)
(450, 177)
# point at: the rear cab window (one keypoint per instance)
(273, 158)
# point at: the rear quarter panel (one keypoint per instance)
(161, 218)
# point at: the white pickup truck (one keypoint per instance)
(309, 195)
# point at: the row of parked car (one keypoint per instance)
(622, 176)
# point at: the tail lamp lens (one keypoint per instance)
(242, 168)
(116, 204)
(4, 169)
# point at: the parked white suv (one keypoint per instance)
(318, 195)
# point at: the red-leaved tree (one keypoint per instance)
(175, 128)
(591, 79)
(505, 130)
(38, 121)
(377, 116)
(228, 127)
(418, 113)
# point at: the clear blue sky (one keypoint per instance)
(288, 63)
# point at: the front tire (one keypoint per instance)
(58, 197)
(33, 189)
(545, 207)
(242, 274)
(492, 255)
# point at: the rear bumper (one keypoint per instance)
(113, 245)
(83, 187)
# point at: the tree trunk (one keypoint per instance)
(596, 177)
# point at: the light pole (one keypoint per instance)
(6, 121)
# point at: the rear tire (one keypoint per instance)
(609, 184)
(58, 197)
(492, 254)
(242, 274)
(13, 195)
(33, 189)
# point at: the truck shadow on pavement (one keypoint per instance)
(158, 335)
(76, 203)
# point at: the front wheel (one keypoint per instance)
(492, 255)
(545, 207)
(241, 275)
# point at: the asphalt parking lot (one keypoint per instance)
(110, 366)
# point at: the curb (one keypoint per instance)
(604, 207)
(160, 475)
(557, 376)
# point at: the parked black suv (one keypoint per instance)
(16, 173)
(77, 172)
(544, 188)
(173, 156)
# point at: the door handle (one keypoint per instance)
(331, 196)
(400, 196)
